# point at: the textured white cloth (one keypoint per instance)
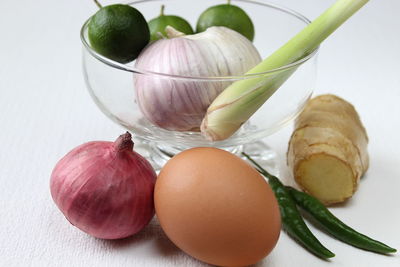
(45, 111)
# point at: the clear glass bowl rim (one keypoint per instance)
(124, 67)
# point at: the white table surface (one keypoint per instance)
(45, 111)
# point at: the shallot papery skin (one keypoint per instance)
(105, 188)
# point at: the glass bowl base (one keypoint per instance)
(264, 155)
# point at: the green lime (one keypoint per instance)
(227, 15)
(157, 25)
(118, 32)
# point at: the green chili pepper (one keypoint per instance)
(292, 221)
(334, 226)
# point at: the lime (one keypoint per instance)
(227, 15)
(118, 32)
(157, 25)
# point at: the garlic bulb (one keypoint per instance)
(180, 104)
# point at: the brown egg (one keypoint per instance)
(217, 208)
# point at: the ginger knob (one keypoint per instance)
(328, 149)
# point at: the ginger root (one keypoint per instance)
(328, 149)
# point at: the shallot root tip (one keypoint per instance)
(124, 142)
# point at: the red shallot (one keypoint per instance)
(105, 188)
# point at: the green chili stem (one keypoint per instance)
(259, 168)
(329, 222)
(292, 221)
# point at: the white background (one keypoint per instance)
(45, 111)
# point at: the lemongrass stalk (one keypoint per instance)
(238, 102)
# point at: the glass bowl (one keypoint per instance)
(111, 84)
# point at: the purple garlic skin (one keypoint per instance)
(179, 104)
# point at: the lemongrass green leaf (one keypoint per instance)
(239, 101)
